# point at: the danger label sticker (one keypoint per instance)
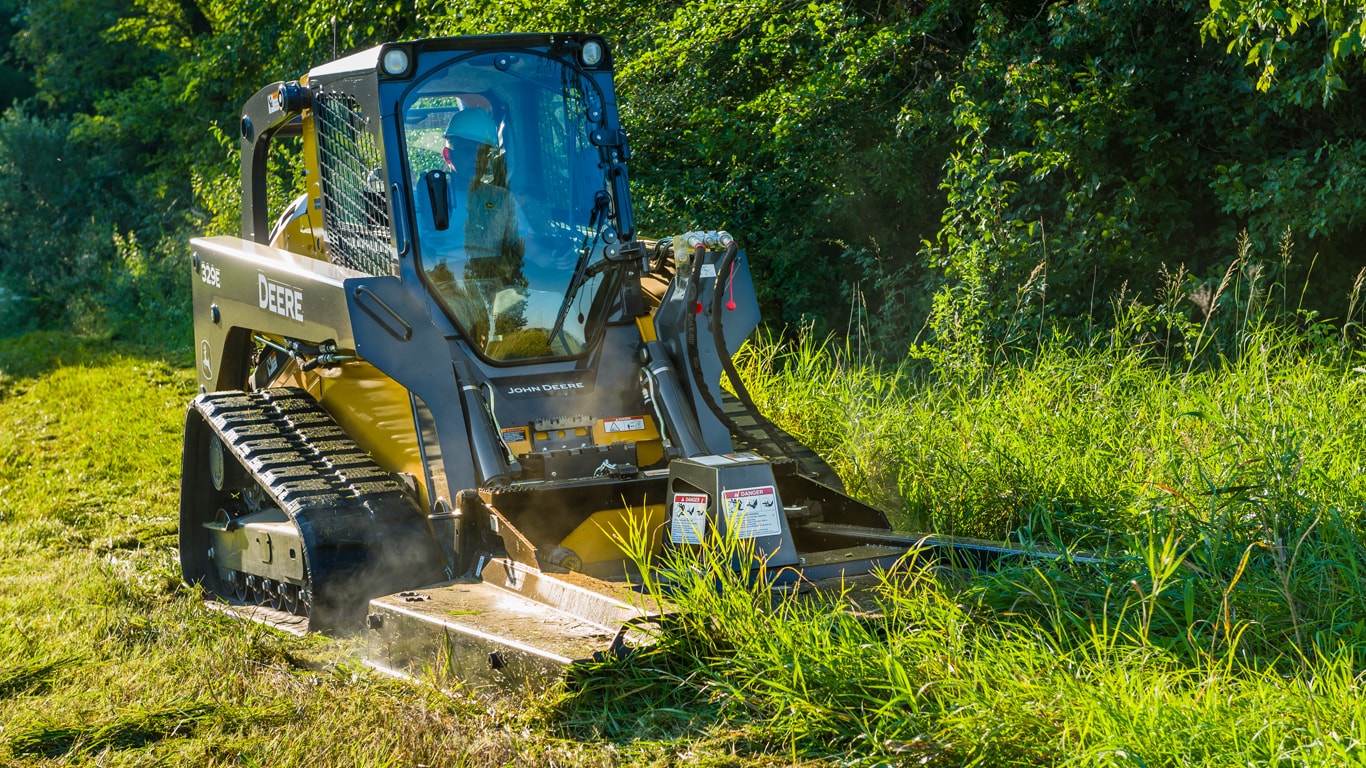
(689, 518)
(752, 512)
(631, 424)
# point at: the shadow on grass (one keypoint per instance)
(646, 696)
(127, 730)
(133, 728)
(33, 676)
(40, 352)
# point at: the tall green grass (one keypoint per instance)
(1227, 625)
(1214, 458)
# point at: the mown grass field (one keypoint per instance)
(106, 659)
(1227, 627)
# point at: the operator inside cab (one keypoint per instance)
(521, 312)
(506, 197)
(479, 173)
(511, 316)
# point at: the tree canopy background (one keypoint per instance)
(909, 169)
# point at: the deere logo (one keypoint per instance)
(559, 386)
(280, 298)
(206, 359)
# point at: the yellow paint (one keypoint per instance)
(646, 324)
(649, 448)
(602, 437)
(517, 447)
(649, 453)
(595, 540)
(302, 233)
(315, 184)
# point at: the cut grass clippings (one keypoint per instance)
(124, 730)
(107, 658)
(19, 677)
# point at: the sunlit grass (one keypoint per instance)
(106, 658)
(1225, 628)
(1227, 625)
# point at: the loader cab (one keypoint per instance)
(485, 179)
(514, 232)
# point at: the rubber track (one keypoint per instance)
(298, 453)
(363, 534)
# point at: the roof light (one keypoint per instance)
(591, 55)
(395, 62)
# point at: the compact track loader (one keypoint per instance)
(438, 392)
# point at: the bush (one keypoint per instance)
(55, 238)
(867, 155)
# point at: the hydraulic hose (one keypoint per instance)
(722, 273)
(665, 394)
(690, 331)
(490, 460)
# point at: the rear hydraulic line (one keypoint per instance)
(490, 458)
(699, 243)
(723, 270)
(309, 356)
(780, 442)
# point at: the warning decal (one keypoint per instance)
(632, 424)
(689, 518)
(752, 512)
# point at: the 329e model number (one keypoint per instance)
(210, 274)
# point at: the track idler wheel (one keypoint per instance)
(226, 474)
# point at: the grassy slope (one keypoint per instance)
(1228, 629)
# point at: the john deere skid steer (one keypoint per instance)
(449, 378)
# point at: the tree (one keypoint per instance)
(1288, 36)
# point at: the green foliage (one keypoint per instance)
(54, 251)
(1225, 441)
(74, 63)
(780, 126)
(1272, 32)
(15, 83)
(867, 155)
(1214, 468)
(1220, 627)
(70, 252)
